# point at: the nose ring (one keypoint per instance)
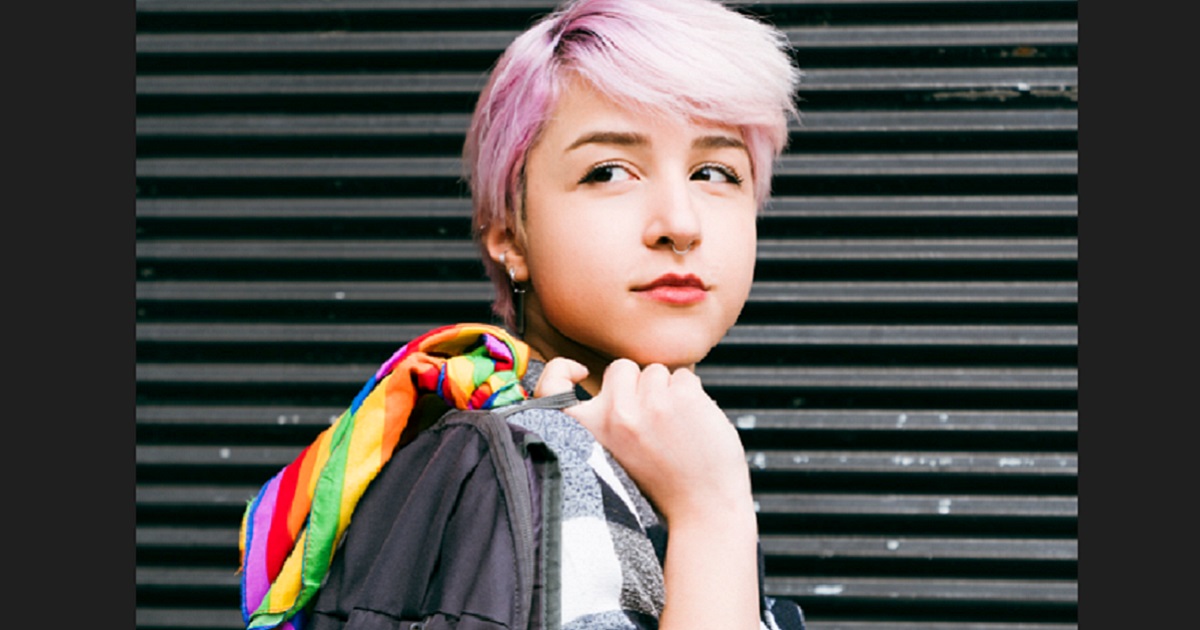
(679, 252)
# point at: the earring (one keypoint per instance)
(518, 301)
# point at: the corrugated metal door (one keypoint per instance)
(904, 375)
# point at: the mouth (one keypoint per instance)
(674, 289)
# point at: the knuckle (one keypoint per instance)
(656, 369)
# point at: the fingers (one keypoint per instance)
(560, 375)
(618, 382)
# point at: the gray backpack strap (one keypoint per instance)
(560, 400)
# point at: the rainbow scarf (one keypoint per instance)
(291, 529)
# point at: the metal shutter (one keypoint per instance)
(904, 375)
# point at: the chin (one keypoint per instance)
(672, 355)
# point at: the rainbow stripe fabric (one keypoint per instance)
(292, 527)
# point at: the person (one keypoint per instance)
(568, 470)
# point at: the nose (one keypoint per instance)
(674, 223)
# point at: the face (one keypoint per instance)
(610, 196)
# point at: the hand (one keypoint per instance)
(668, 434)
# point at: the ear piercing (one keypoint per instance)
(518, 302)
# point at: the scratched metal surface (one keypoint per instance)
(903, 376)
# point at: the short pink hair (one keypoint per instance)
(690, 59)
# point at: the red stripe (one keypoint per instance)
(480, 396)
(279, 541)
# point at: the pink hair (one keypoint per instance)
(689, 59)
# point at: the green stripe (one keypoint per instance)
(326, 509)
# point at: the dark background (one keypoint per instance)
(919, 262)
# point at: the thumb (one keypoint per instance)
(560, 375)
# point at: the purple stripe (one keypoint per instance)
(497, 348)
(255, 579)
(391, 362)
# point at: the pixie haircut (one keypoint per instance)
(685, 59)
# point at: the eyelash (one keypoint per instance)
(728, 172)
(592, 175)
(591, 178)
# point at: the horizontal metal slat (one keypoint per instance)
(187, 577)
(466, 251)
(312, 6)
(1007, 163)
(294, 84)
(919, 249)
(927, 589)
(207, 455)
(309, 6)
(989, 506)
(1051, 335)
(942, 463)
(904, 420)
(279, 333)
(291, 167)
(921, 378)
(927, 292)
(455, 125)
(920, 547)
(441, 207)
(739, 335)
(308, 250)
(777, 292)
(1049, 591)
(955, 420)
(889, 377)
(235, 416)
(316, 291)
(302, 125)
(939, 121)
(841, 624)
(899, 462)
(189, 537)
(1009, 34)
(1020, 79)
(197, 497)
(323, 42)
(206, 618)
(305, 208)
(1015, 34)
(825, 547)
(231, 619)
(922, 206)
(201, 497)
(924, 79)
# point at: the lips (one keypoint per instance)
(674, 289)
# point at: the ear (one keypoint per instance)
(502, 243)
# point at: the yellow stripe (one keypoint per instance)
(362, 454)
(286, 587)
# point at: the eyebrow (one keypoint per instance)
(622, 138)
(610, 137)
(718, 142)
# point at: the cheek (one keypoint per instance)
(567, 255)
(733, 248)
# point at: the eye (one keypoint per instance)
(716, 173)
(606, 173)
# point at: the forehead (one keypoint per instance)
(581, 110)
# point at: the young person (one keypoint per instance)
(617, 157)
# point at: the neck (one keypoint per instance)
(547, 342)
